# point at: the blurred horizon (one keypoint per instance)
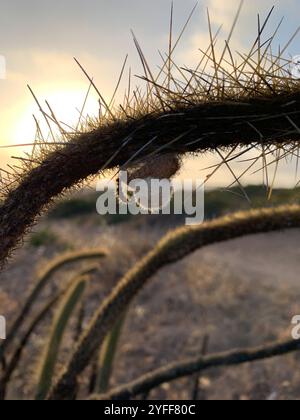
(39, 41)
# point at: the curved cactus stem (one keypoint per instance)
(62, 318)
(172, 248)
(42, 281)
(108, 354)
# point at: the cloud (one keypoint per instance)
(222, 14)
(54, 77)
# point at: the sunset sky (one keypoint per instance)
(39, 40)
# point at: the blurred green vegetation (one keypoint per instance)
(73, 207)
(42, 238)
(217, 203)
(84, 206)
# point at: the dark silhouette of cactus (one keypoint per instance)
(250, 105)
(249, 101)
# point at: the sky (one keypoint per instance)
(38, 40)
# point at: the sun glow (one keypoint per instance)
(66, 105)
(18, 127)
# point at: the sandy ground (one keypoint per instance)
(240, 293)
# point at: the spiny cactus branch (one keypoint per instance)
(190, 366)
(226, 102)
(60, 322)
(172, 248)
(43, 277)
(17, 354)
